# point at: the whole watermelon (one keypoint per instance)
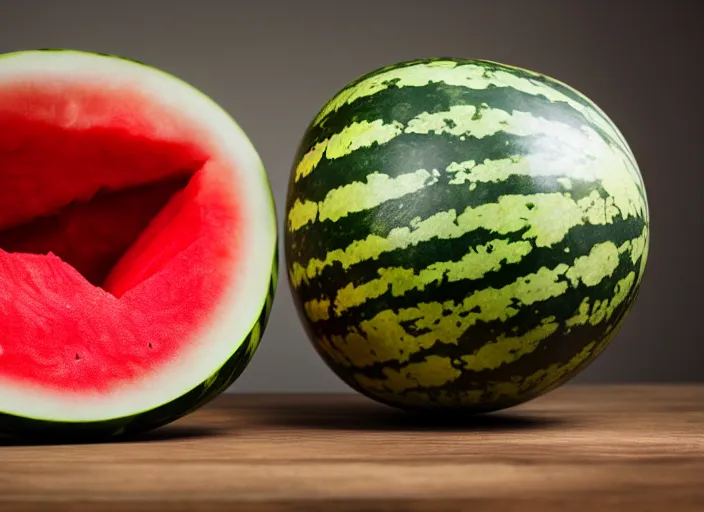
(463, 234)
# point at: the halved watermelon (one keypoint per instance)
(138, 246)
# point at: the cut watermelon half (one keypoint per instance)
(138, 246)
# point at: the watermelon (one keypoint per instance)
(462, 235)
(138, 246)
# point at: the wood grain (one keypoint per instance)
(637, 448)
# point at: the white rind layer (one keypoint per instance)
(246, 293)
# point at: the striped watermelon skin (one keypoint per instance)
(463, 234)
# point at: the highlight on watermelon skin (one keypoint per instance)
(138, 246)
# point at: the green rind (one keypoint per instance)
(364, 270)
(138, 423)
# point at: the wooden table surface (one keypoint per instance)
(577, 449)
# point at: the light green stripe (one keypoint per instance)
(437, 371)
(384, 337)
(474, 265)
(460, 121)
(591, 269)
(583, 157)
(379, 188)
(549, 217)
(597, 312)
(472, 76)
(492, 392)
(317, 310)
(353, 137)
(358, 196)
(508, 349)
(600, 263)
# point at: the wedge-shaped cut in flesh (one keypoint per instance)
(137, 246)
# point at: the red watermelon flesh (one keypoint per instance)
(119, 227)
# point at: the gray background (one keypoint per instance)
(273, 64)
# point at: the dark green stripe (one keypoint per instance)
(406, 154)
(354, 82)
(557, 348)
(402, 104)
(573, 95)
(579, 240)
(316, 240)
(489, 66)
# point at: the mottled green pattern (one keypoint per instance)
(141, 422)
(463, 233)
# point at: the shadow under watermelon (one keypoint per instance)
(173, 432)
(354, 414)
